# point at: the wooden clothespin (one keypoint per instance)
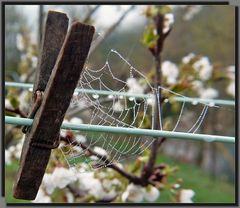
(60, 65)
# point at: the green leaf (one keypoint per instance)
(162, 10)
(14, 102)
(146, 152)
(180, 86)
(219, 75)
(153, 11)
(149, 37)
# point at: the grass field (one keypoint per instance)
(207, 189)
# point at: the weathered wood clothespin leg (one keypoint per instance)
(44, 133)
(54, 34)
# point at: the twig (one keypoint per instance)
(90, 13)
(159, 24)
(110, 29)
(16, 111)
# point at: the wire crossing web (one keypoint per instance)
(118, 110)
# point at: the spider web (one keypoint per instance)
(118, 110)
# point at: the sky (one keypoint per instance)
(108, 14)
(103, 18)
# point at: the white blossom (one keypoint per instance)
(108, 184)
(23, 100)
(62, 177)
(42, 197)
(188, 58)
(84, 179)
(231, 86)
(191, 11)
(96, 189)
(11, 149)
(118, 165)
(80, 138)
(94, 157)
(209, 93)
(168, 21)
(176, 185)
(23, 77)
(19, 42)
(63, 133)
(117, 106)
(15, 150)
(186, 196)
(151, 101)
(48, 183)
(198, 86)
(77, 149)
(7, 103)
(170, 71)
(231, 72)
(92, 185)
(134, 86)
(34, 61)
(8, 157)
(133, 193)
(70, 197)
(100, 151)
(76, 120)
(18, 149)
(204, 68)
(151, 195)
(231, 89)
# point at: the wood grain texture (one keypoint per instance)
(48, 120)
(54, 34)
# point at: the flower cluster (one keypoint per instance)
(168, 22)
(231, 86)
(204, 68)
(170, 72)
(86, 182)
(134, 87)
(13, 152)
(204, 72)
(135, 193)
(206, 93)
(26, 44)
(186, 195)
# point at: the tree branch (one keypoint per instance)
(159, 24)
(90, 13)
(16, 111)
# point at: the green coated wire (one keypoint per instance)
(128, 131)
(105, 92)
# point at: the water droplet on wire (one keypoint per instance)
(110, 96)
(95, 96)
(131, 98)
(211, 104)
(195, 102)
